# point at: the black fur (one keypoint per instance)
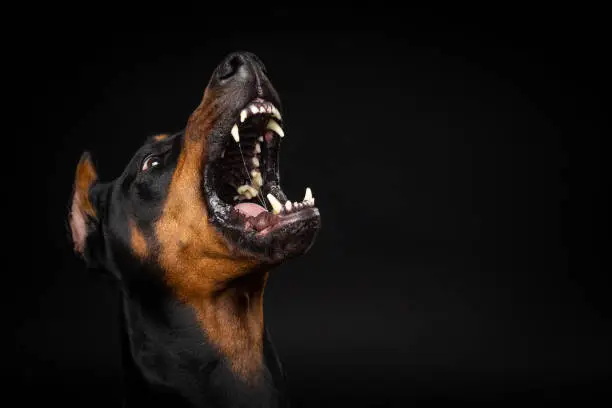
(167, 359)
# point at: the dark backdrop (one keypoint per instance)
(438, 147)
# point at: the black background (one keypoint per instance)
(438, 146)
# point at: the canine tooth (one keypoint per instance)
(242, 189)
(274, 126)
(308, 195)
(260, 138)
(254, 109)
(277, 207)
(276, 113)
(235, 133)
(255, 161)
(257, 148)
(243, 115)
(288, 206)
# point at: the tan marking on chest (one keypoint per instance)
(234, 322)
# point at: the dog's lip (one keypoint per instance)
(299, 216)
(287, 230)
(279, 215)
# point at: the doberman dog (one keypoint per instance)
(191, 230)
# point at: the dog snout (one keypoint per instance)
(242, 68)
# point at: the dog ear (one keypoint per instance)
(83, 217)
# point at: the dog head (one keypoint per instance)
(203, 206)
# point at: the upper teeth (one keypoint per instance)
(257, 108)
(275, 127)
(235, 133)
(276, 113)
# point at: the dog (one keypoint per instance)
(191, 230)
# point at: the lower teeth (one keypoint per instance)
(248, 192)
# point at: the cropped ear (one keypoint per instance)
(83, 217)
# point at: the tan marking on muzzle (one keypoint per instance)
(138, 241)
(159, 138)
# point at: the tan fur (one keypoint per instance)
(81, 204)
(234, 321)
(138, 241)
(198, 262)
(159, 138)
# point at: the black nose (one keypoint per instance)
(240, 78)
(241, 66)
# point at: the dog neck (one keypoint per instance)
(211, 350)
(233, 321)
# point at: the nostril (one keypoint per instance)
(230, 67)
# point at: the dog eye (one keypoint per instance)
(150, 162)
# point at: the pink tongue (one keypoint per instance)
(250, 209)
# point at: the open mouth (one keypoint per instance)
(243, 190)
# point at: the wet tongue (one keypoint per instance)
(249, 209)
